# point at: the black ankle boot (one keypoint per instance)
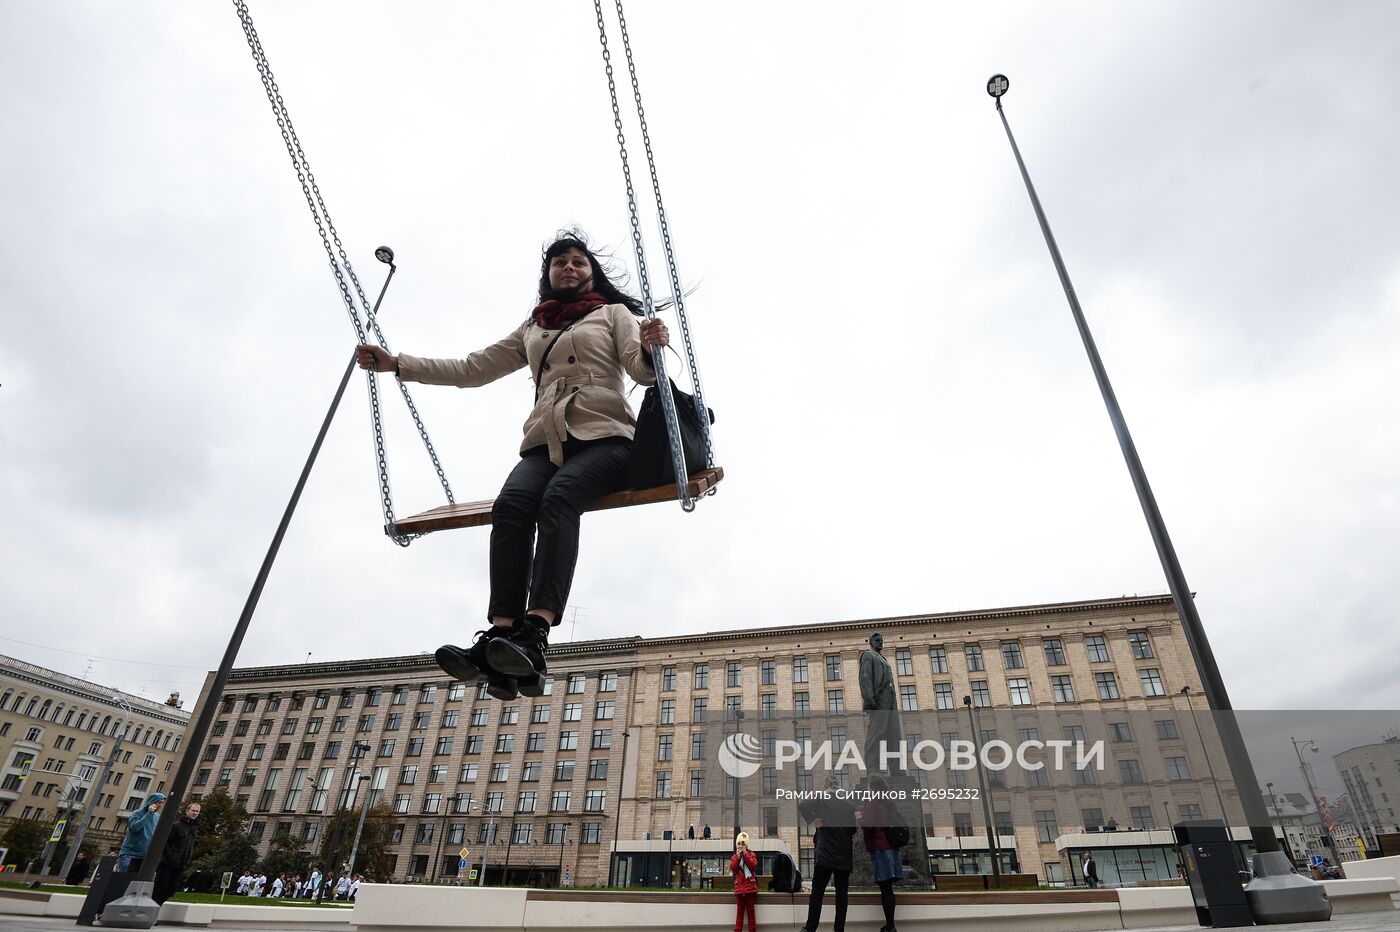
(504, 688)
(521, 654)
(470, 664)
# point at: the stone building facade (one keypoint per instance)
(1371, 774)
(57, 731)
(621, 754)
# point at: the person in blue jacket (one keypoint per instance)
(140, 828)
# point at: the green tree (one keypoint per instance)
(374, 858)
(221, 819)
(285, 856)
(26, 839)
(233, 854)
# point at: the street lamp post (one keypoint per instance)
(1224, 815)
(361, 748)
(1312, 791)
(491, 828)
(617, 816)
(738, 721)
(136, 909)
(97, 788)
(66, 805)
(993, 850)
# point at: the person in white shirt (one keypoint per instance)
(314, 883)
(243, 883)
(342, 888)
(277, 886)
(355, 886)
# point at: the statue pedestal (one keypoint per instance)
(914, 855)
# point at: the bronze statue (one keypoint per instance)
(877, 696)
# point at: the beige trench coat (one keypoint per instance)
(581, 388)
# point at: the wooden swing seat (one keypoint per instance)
(478, 514)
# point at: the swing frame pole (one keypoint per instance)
(136, 909)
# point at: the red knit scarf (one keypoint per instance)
(550, 314)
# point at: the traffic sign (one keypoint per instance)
(1316, 860)
(462, 864)
(472, 875)
(58, 828)
(463, 853)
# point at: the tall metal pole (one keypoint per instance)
(617, 817)
(136, 909)
(66, 805)
(1236, 754)
(102, 776)
(486, 852)
(364, 808)
(992, 847)
(1210, 769)
(738, 718)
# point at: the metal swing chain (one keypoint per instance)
(668, 401)
(316, 204)
(677, 290)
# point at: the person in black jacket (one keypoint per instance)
(176, 858)
(835, 822)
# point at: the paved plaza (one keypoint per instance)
(1362, 922)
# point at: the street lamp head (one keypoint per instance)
(384, 254)
(967, 700)
(997, 85)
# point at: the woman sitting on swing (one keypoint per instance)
(579, 341)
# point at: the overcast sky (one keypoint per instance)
(905, 414)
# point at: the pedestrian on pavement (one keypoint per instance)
(834, 822)
(178, 853)
(79, 871)
(743, 864)
(1091, 871)
(884, 856)
(140, 826)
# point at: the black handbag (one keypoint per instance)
(651, 463)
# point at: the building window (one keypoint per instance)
(909, 697)
(1020, 691)
(602, 738)
(768, 673)
(1046, 828)
(1054, 652)
(1129, 770)
(603, 710)
(768, 706)
(347, 698)
(468, 774)
(1011, 655)
(698, 710)
(525, 802)
(450, 718)
(697, 746)
(799, 670)
(576, 684)
(500, 772)
(1166, 729)
(833, 667)
(962, 823)
(573, 712)
(904, 662)
(663, 746)
(534, 741)
(938, 658)
(595, 801)
(668, 711)
(592, 833)
(1177, 769)
(444, 745)
(568, 741)
(607, 683)
(1107, 685)
(981, 695)
(432, 802)
(702, 676)
(409, 774)
(393, 721)
(455, 693)
(564, 770)
(495, 801)
(836, 701)
(539, 715)
(1141, 645)
(1097, 648)
(943, 695)
(663, 784)
(1062, 687)
(733, 675)
(1188, 811)
(522, 832)
(1152, 682)
(1141, 818)
(559, 800)
(461, 802)
(973, 652)
(668, 679)
(414, 748)
(802, 704)
(1118, 732)
(598, 768)
(1092, 818)
(505, 743)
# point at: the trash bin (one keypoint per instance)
(1209, 858)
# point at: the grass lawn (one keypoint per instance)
(186, 897)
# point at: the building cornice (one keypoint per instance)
(610, 648)
(93, 693)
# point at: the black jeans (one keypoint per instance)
(537, 494)
(814, 905)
